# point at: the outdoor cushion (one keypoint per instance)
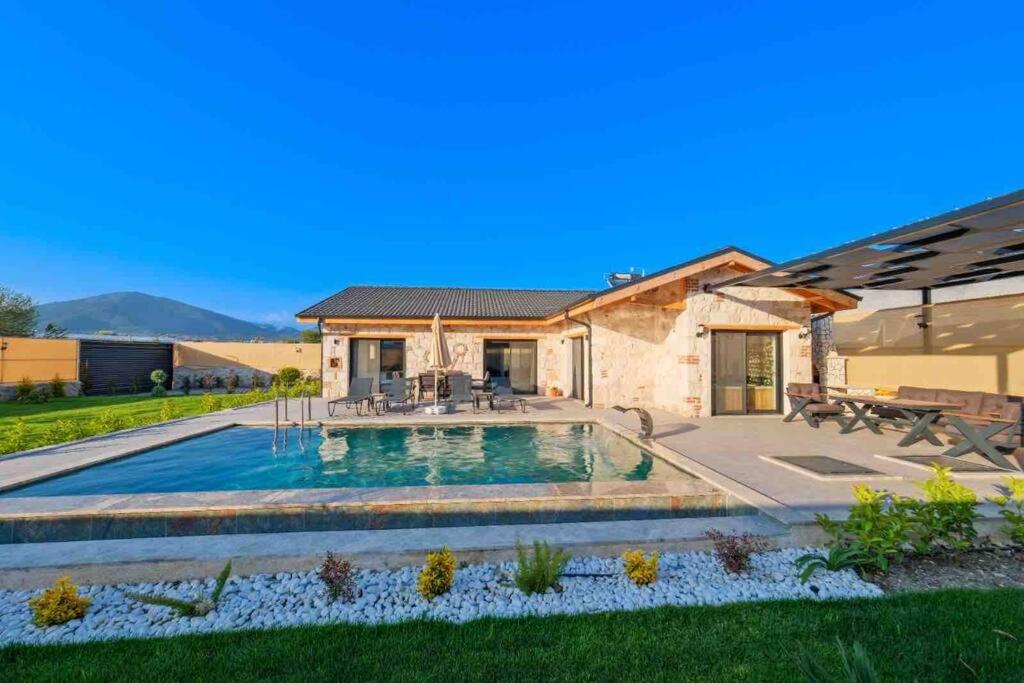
(969, 401)
(804, 389)
(824, 409)
(992, 404)
(1011, 411)
(916, 393)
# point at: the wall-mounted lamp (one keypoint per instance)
(804, 333)
(701, 330)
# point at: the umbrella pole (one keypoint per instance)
(435, 387)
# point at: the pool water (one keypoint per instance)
(242, 458)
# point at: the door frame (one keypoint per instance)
(574, 343)
(778, 373)
(352, 356)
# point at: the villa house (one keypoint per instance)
(660, 341)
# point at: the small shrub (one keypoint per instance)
(437, 575)
(880, 524)
(167, 412)
(207, 381)
(640, 570)
(197, 607)
(339, 578)
(134, 388)
(257, 381)
(218, 382)
(58, 604)
(158, 391)
(37, 395)
(1011, 504)
(158, 377)
(17, 438)
(232, 382)
(947, 514)
(58, 387)
(109, 421)
(211, 403)
(734, 551)
(66, 430)
(23, 389)
(539, 571)
(185, 384)
(289, 375)
(837, 559)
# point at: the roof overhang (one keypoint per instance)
(975, 244)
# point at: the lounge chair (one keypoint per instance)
(482, 384)
(502, 396)
(805, 399)
(461, 391)
(399, 394)
(359, 390)
(426, 384)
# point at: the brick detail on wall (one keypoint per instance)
(689, 360)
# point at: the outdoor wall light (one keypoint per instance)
(701, 330)
(804, 333)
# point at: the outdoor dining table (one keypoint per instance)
(920, 414)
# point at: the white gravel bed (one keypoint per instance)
(292, 599)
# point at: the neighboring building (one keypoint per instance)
(660, 341)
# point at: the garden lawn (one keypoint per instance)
(39, 416)
(951, 635)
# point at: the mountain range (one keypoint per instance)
(138, 314)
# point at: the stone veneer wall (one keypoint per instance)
(465, 343)
(651, 356)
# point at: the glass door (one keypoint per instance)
(513, 361)
(381, 360)
(745, 372)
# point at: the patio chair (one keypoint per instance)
(398, 394)
(806, 400)
(502, 395)
(426, 384)
(461, 391)
(359, 390)
(482, 384)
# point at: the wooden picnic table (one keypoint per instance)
(920, 414)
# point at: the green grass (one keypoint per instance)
(39, 416)
(943, 636)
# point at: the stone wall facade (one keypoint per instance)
(643, 355)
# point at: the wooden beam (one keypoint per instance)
(419, 322)
(746, 327)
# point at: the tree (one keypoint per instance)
(310, 336)
(55, 331)
(17, 314)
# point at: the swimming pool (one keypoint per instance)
(243, 458)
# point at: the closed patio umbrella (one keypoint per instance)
(440, 358)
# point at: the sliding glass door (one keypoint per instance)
(381, 360)
(746, 372)
(514, 361)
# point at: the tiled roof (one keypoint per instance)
(449, 302)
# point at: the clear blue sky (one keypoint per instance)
(254, 158)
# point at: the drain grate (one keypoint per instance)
(826, 466)
(955, 464)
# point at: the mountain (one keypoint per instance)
(138, 314)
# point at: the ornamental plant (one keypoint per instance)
(641, 570)
(339, 578)
(947, 514)
(232, 382)
(57, 387)
(197, 607)
(734, 551)
(1011, 504)
(289, 375)
(880, 524)
(58, 604)
(23, 389)
(539, 570)
(158, 377)
(837, 559)
(438, 574)
(211, 403)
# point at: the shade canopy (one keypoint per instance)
(440, 358)
(978, 243)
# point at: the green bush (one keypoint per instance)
(158, 391)
(185, 383)
(108, 421)
(880, 525)
(540, 570)
(57, 387)
(1011, 504)
(438, 574)
(232, 382)
(947, 514)
(23, 389)
(16, 438)
(289, 376)
(211, 403)
(837, 559)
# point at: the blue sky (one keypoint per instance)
(253, 158)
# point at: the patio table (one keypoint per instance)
(920, 415)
